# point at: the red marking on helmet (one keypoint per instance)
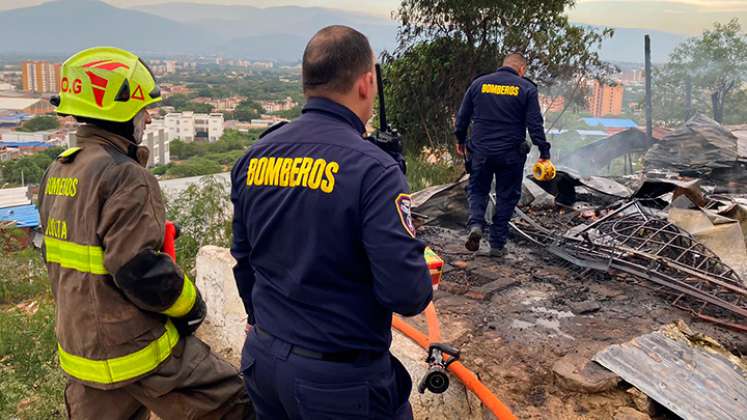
(97, 80)
(99, 95)
(106, 65)
(99, 84)
(112, 66)
(138, 94)
(93, 63)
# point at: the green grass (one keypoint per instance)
(31, 382)
(421, 174)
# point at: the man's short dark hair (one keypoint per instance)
(334, 59)
(515, 59)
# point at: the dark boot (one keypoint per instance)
(497, 253)
(473, 239)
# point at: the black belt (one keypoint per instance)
(349, 356)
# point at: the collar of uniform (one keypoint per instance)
(90, 133)
(508, 69)
(339, 111)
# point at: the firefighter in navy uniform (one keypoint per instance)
(501, 107)
(125, 311)
(326, 250)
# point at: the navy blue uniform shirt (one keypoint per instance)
(501, 106)
(323, 237)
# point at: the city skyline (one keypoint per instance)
(678, 16)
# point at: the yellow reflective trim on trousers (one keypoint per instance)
(121, 368)
(185, 301)
(83, 258)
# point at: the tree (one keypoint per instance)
(712, 68)
(194, 167)
(445, 44)
(40, 123)
(201, 211)
(23, 170)
(247, 110)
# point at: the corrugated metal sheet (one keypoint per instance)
(691, 375)
(23, 216)
(10, 197)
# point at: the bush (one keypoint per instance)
(194, 167)
(24, 275)
(161, 169)
(226, 158)
(422, 174)
(40, 123)
(31, 381)
(203, 214)
(28, 169)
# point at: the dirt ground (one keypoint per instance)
(513, 320)
(518, 317)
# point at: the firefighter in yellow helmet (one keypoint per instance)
(125, 311)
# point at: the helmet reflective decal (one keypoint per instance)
(98, 83)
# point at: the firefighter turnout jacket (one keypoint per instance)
(118, 297)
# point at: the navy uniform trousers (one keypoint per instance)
(284, 385)
(508, 171)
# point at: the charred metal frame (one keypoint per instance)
(633, 241)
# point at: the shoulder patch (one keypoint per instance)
(273, 128)
(403, 202)
(69, 154)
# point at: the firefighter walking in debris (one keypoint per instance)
(125, 311)
(501, 106)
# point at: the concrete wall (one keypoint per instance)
(226, 319)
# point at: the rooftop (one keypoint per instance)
(17, 103)
(24, 144)
(610, 122)
(10, 197)
(24, 216)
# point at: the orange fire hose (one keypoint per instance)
(468, 378)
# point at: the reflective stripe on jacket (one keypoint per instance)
(99, 210)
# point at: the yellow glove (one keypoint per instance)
(543, 170)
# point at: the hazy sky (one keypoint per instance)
(683, 16)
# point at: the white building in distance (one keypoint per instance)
(157, 140)
(188, 126)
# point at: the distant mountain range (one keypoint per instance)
(275, 33)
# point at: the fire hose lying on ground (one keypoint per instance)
(442, 357)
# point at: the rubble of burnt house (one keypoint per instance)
(641, 273)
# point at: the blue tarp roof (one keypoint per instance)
(610, 122)
(24, 216)
(14, 118)
(25, 144)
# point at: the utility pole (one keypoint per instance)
(688, 98)
(649, 104)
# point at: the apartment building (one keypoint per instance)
(155, 138)
(606, 99)
(40, 76)
(190, 126)
(157, 141)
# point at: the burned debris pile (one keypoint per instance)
(699, 146)
(632, 239)
(637, 227)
